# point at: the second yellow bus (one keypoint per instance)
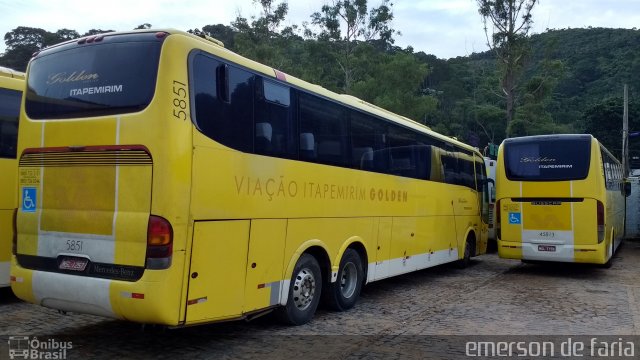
(559, 198)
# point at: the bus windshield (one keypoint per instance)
(550, 159)
(83, 80)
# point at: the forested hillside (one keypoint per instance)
(572, 77)
(573, 80)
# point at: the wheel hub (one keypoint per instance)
(348, 280)
(304, 289)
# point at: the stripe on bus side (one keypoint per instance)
(384, 269)
(397, 266)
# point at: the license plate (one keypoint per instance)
(551, 248)
(73, 264)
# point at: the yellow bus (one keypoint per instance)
(165, 179)
(560, 198)
(11, 86)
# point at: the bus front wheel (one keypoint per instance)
(469, 250)
(304, 292)
(343, 294)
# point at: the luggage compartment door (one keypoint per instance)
(218, 270)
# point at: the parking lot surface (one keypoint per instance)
(431, 313)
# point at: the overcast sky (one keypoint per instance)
(445, 28)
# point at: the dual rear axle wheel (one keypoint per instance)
(308, 286)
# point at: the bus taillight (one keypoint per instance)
(601, 227)
(159, 243)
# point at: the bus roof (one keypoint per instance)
(10, 73)
(548, 137)
(352, 101)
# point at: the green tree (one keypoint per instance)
(361, 24)
(259, 38)
(604, 121)
(490, 121)
(511, 21)
(221, 32)
(22, 42)
(400, 94)
(272, 16)
(96, 32)
(534, 115)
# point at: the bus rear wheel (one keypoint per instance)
(304, 292)
(343, 294)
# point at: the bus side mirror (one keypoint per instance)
(627, 188)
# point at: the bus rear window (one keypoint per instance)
(114, 76)
(553, 159)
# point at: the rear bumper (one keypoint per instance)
(148, 300)
(594, 254)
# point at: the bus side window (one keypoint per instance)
(450, 168)
(274, 115)
(381, 161)
(401, 161)
(466, 173)
(330, 151)
(264, 134)
(223, 102)
(366, 134)
(423, 162)
(363, 157)
(307, 146)
(328, 124)
(9, 112)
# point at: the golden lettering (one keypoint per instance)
(536, 159)
(63, 77)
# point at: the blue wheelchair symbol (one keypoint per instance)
(29, 197)
(514, 218)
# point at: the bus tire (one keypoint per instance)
(343, 294)
(304, 292)
(609, 262)
(468, 251)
